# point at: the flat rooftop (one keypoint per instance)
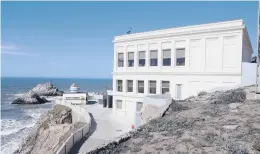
(184, 30)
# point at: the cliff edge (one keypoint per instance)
(50, 131)
(220, 122)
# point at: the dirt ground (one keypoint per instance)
(222, 122)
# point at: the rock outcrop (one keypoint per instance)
(30, 98)
(49, 132)
(47, 89)
(201, 124)
(36, 95)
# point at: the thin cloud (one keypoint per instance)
(12, 50)
(8, 47)
(15, 53)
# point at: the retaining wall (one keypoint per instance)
(79, 114)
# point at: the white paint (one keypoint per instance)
(213, 60)
(249, 73)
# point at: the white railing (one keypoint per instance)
(78, 135)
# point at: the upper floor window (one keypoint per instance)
(152, 87)
(167, 57)
(153, 58)
(119, 85)
(141, 58)
(131, 59)
(119, 104)
(120, 59)
(140, 85)
(139, 106)
(180, 56)
(129, 85)
(165, 86)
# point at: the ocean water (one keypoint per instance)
(17, 120)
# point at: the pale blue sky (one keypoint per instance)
(74, 39)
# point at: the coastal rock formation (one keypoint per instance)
(36, 95)
(49, 132)
(201, 124)
(47, 89)
(30, 98)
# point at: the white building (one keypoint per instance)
(182, 61)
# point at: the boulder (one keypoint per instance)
(36, 95)
(47, 89)
(30, 98)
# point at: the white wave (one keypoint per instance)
(15, 95)
(10, 126)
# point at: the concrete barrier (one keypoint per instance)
(75, 137)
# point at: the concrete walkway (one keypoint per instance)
(105, 127)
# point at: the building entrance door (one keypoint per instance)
(179, 90)
(110, 101)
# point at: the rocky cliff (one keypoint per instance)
(50, 132)
(224, 122)
(36, 95)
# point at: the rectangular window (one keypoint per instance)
(165, 86)
(131, 59)
(180, 57)
(129, 85)
(167, 57)
(140, 86)
(139, 106)
(119, 85)
(141, 58)
(120, 59)
(152, 87)
(119, 104)
(153, 58)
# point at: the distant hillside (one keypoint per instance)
(219, 122)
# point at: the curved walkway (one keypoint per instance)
(105, 127)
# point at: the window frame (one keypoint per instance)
(166, 58)
(140, 87)
(153, 87)
(117, 101)
(117, 86)
(120, 60)
(165, 87)
(127, 81)
(141, 59)
(137, 107)
(177, 58)
(128, 60)
(150, 60)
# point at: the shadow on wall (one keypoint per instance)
(76, 147)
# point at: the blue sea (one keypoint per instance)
(17, 120)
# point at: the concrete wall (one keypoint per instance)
(78, 114)
(249, 73)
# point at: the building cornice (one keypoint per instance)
(187, 30)
(177, 73)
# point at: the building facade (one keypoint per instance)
(182, 61)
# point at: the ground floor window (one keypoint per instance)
(139, 106)
(119, 104)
